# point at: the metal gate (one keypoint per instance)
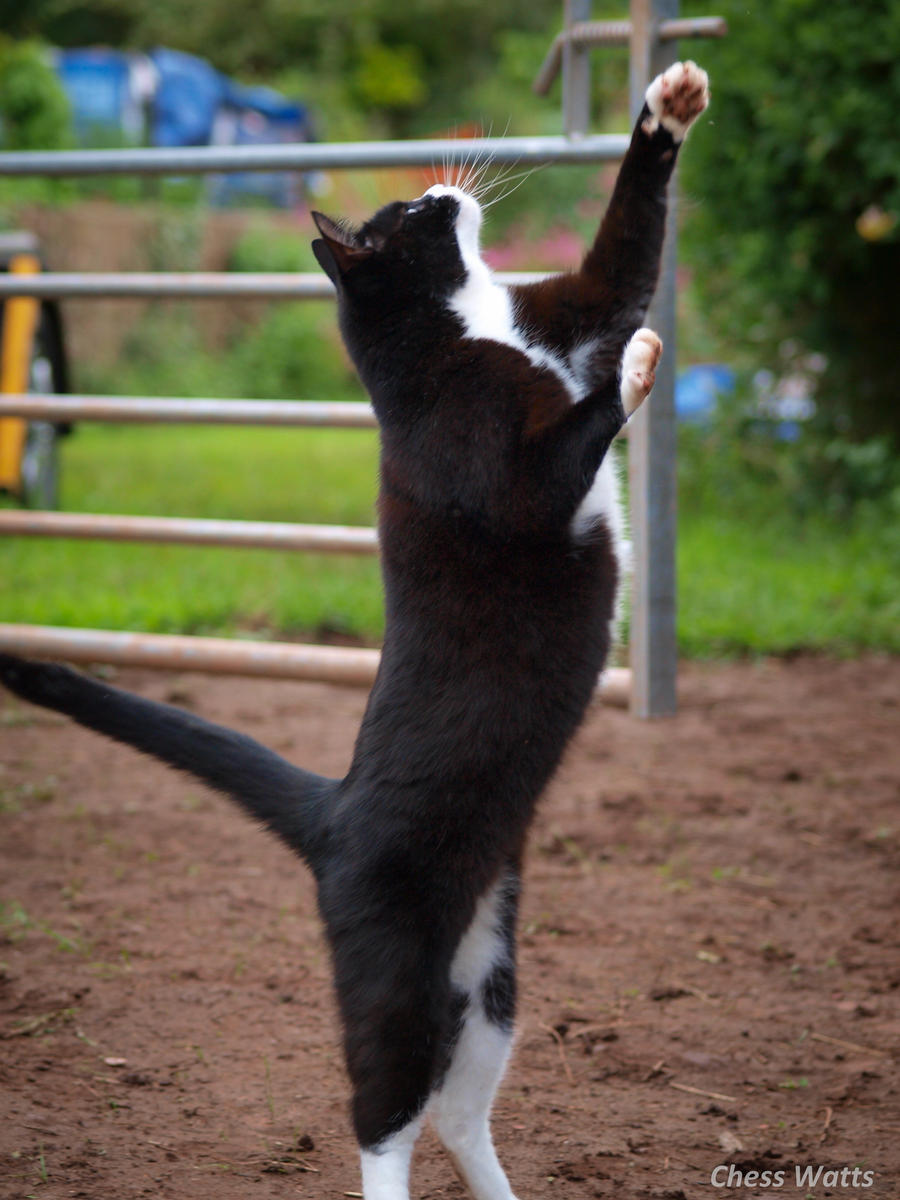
(649, 684)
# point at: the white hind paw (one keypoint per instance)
(639, 368)
(676, 99)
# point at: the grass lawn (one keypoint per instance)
(749, 581)
(326, 476)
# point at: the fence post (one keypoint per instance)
(652, 439)
(576, 74)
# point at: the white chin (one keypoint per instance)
(468, 219)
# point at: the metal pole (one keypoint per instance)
(348, 666)
(323, 156)
(618, 33)
(219, 656)
(207, 285)
(576, 69)
(190, 531)
(152, 410)
(652, 445)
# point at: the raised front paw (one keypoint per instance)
(676, 99)
(639, 368)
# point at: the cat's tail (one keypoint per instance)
(293, 803)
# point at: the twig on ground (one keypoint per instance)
(823, 1037)
(557, 1037)
(684, 1087)
(824, 1134)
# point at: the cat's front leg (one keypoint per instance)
(621, 269)
(568, 454)
(639, 363)
(588, 316)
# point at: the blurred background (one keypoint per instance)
(789, 261)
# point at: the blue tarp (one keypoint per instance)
(698, 388)
(188, 95)
(98, 84)
(169, 98)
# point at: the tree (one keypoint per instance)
(793, 193)
(34, 111)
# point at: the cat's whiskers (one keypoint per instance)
(521, 177)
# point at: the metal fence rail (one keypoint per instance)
(199, 160)
(355, 667)
(343, 414)
(585, 34)
(225, 656)
(186, 285)
(191, 531)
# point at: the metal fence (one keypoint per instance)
(649, 685)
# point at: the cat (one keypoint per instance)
(498, 525)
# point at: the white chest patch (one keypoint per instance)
(485, 309)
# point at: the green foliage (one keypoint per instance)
(794, 194)
(739, 463)
(295, 351)
(389, 77)
(785, 547)
(289, 352)
(407, 65)
(34, 111)
(293, 354)
(269, 250)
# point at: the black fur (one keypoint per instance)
(497, 622)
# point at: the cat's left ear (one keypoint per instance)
(337, 250)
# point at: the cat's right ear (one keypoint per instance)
(336, 250)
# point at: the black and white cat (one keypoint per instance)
(498, 526)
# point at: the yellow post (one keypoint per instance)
(20, 318)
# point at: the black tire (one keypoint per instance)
(40, 454)
(40, 466)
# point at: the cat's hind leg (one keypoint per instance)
(392, 982)
(483, 977)
(385, 1168)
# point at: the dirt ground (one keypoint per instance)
(709, 956)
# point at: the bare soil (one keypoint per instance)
(709, 956)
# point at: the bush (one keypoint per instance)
(794, 195)
(34, 111)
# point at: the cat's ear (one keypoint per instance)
(337, 249)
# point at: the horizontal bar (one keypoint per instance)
(148, 410)
(226, 656)
(190, 531)
(187, 285)
(205, 285)
(171, 411)
(323, 156)
(618, 33)
(218, 656)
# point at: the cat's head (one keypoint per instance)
(408, 250)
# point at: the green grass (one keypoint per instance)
(761, 585)
(754, 576)
(326, 476)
